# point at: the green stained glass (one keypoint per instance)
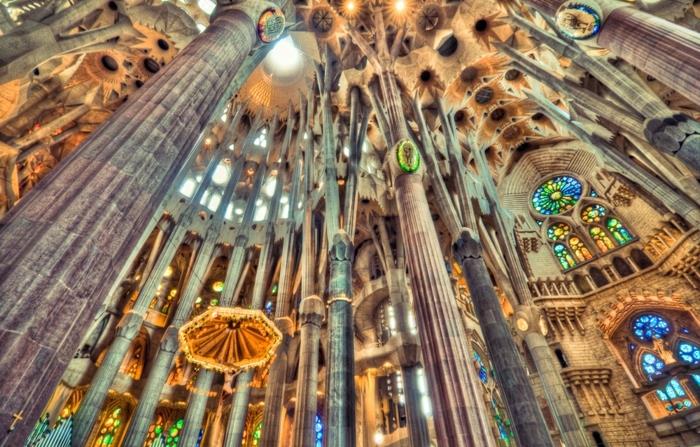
(557, 195)
(564, 256)
(618, 231)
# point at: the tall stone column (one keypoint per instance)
(311, 313)
(529, 423)
(460, 417)
(340, 400)
(83, 223)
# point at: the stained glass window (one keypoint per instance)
(580, 250)
(601, 239)
(318, 428)
(649, 326)
(558, 231)
(674, 396)
(503, 423)
(652, 365)
(593, 213)
(110, 428)
(688, 352)
(618, 231)
(557, 195)
(564, 256)
(481, 369)
(255, 441)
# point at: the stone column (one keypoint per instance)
(83, 223)
(530, 426)
(311, 312)
(460, 417)
(340, 401)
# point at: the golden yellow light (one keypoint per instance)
(168, 271)
(218, 286)
(400, 5)
(350, 6)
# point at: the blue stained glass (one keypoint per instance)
(268, 308)
(593, 193)
(557, 195)
(688, 352)
(483, 374)
(696, 378)
(652, 365)
(318, 427)
(649, 326)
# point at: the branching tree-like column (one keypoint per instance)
(340, 400)
(130, 326)
(664, 50)
(274, 392)
(83, 224)
(197, 403)
(459, 413)
(311, 313)
(408, 352)
(528, 421)
(239, 406)
(169, 345)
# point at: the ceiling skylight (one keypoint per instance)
(285, 62)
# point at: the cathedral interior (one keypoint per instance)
(339, 223)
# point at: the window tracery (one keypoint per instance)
(577, 226)
(662, 351)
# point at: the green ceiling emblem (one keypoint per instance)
(407, 156)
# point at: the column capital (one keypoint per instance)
(529, 319)
(342, 249)
(466, 246)
(268, 17)
(312, 310)
(678, 135)
(285, 325)
(170, 342)
(130, 325)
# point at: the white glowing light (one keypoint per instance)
(221, 174)
(284, 61)
(187, 187)
(378, 437)
(207, 6)
(346, 151)
(229, 212)
(269, 186)
(201, 27)
(400, 5)
(214, 202)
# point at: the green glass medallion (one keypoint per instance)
(407, 156)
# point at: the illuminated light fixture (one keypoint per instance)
(400, 5)
(285, 62)
(218, 286)
(168, 271)
(378, 437)
(253, 339)
(350, 6)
